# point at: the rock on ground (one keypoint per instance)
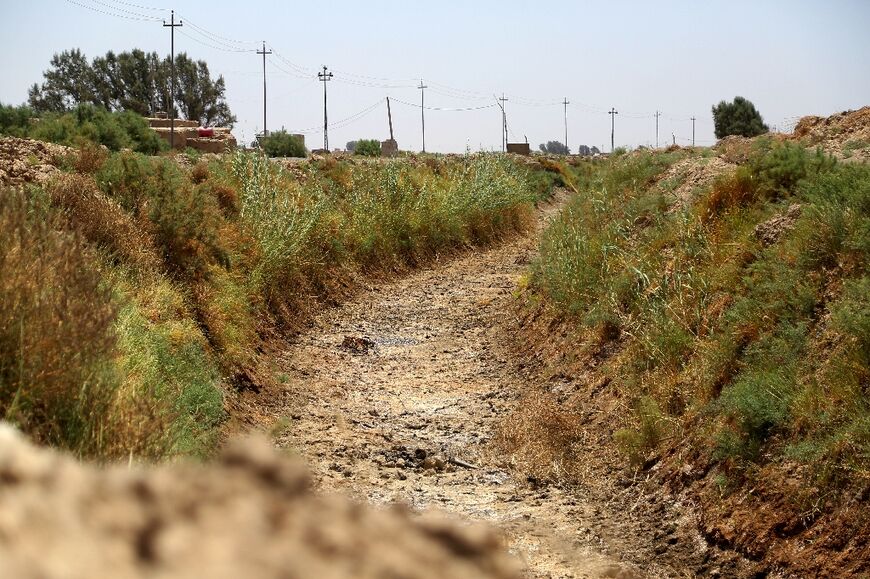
(251, 514)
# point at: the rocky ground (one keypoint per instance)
(25, 161)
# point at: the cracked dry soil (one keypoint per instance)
(394, 396)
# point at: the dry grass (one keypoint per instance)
(103, 222)
(56, 333)
(543, 438)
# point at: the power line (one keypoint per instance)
(130, 12)
(215, 47)
(446, 109)
(140, 12)
(94, 9)
(141, 7)
(343, 122)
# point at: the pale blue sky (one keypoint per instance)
(791, 58)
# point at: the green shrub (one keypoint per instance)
(739, 117)
(368, 148)
(283, 144)
(84, 124)
(185, 218)
(15, 121)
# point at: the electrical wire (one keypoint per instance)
(213, 46)
(447, 109)
(150, 19)
(343, 122)
(225, 44)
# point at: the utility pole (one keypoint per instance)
(264, 52)
(658, 114)
(693, 132)
(172, 26)
(325, 77)
(504, 124)
(612, 112)
(566, 103)
(390, 119)
(423, 88)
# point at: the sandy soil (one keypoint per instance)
(394, 397)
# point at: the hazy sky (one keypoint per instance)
(791, 58)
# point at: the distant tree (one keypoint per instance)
(368, 147)
(132, 81)
(283, 144)
(555, 148)
(595, 150)
(739, 117)
(198, 96)
(67, 83)
(584, 150)
(350, 146)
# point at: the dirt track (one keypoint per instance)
(382, 420)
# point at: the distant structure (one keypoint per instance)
(190, 134)
(389, 148)
(519, 148)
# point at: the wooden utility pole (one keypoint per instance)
(423, 88)
(504, 124)
(612, 112)
(390, 119)
(264, 52)
(172, 26)
(566, 103)
(325, 77)
(693, 132)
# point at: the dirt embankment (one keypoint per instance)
(252, 514)
(779, 523)
(25, 161)
(845, 135)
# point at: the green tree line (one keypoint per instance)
(133, 81)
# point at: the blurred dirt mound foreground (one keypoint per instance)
(252, 514)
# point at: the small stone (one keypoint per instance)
(429, 463)
(420, 454)
(401, 475)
